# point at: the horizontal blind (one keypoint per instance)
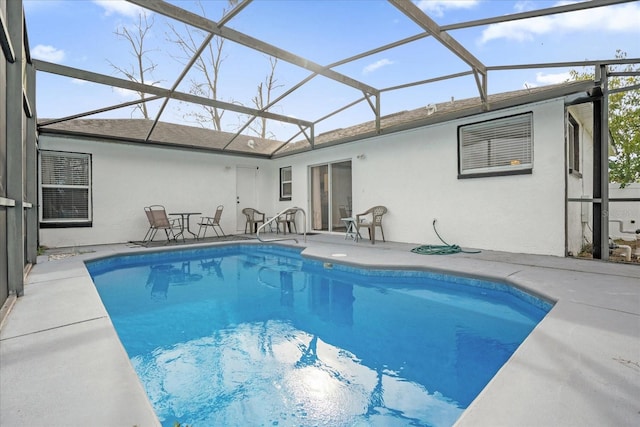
(65, 186)
(65, 169)
(500, 144)
(65, 203)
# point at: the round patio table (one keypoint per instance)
(185, 220)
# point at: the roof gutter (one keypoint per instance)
(141, 142)
(579, 92)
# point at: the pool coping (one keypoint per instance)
(580, 365)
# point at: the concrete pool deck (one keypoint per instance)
(61, 362)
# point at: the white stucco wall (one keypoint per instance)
(126, 178)
(579, 215)
(413, 173)
(627, 212)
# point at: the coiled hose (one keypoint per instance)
(445, 249)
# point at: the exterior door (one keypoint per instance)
(246, 195)
(330, 195)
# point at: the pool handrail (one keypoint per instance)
(275, 218)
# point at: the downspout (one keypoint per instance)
(566, 184)
(601, 166)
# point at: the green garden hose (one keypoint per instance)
(445, 249)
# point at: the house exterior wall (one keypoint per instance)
(126, 178)
(580, 185)
(413, 173)
(627, 212)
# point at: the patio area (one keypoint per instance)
(62, 363)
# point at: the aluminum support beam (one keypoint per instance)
(592, 63)
(625, 74)
(5, 40)
(209, 26)
(596, 206)
(233, 12)
(624, 89)
(31, 173)
(600, 206)
(604, 166)
(98, 111)
(66, 71)
(534, 13)
(414, 13)
(419, 17)
(182, 75)
(90, 76)
(424, 82)
(15, 154)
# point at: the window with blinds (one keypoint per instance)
(65, 184)
(496, 147)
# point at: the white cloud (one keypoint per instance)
(79, 82)
(523, 30)
(438, 7)
(549, 79)
(125, 93)
(119, 7)
(620, 18)
(376, 65)
(522, 6)
(47, 53)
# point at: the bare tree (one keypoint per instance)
(208, 63)
(262, 99)
(141, 71)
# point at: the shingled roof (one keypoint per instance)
(182, 136)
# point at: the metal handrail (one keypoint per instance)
(275, 218)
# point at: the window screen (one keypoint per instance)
(573, 135)
(285, 183)
(500, 146)
(65, 187)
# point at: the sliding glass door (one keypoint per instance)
(330, 195)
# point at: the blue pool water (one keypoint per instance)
(250, 335)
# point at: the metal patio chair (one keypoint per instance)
(211, 221)
(158, 220)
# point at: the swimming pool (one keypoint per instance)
(259, 335)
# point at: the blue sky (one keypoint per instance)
(81, 34)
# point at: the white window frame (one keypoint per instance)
(65, 221)
(284, 194)
(573, 138)
(497, 147)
